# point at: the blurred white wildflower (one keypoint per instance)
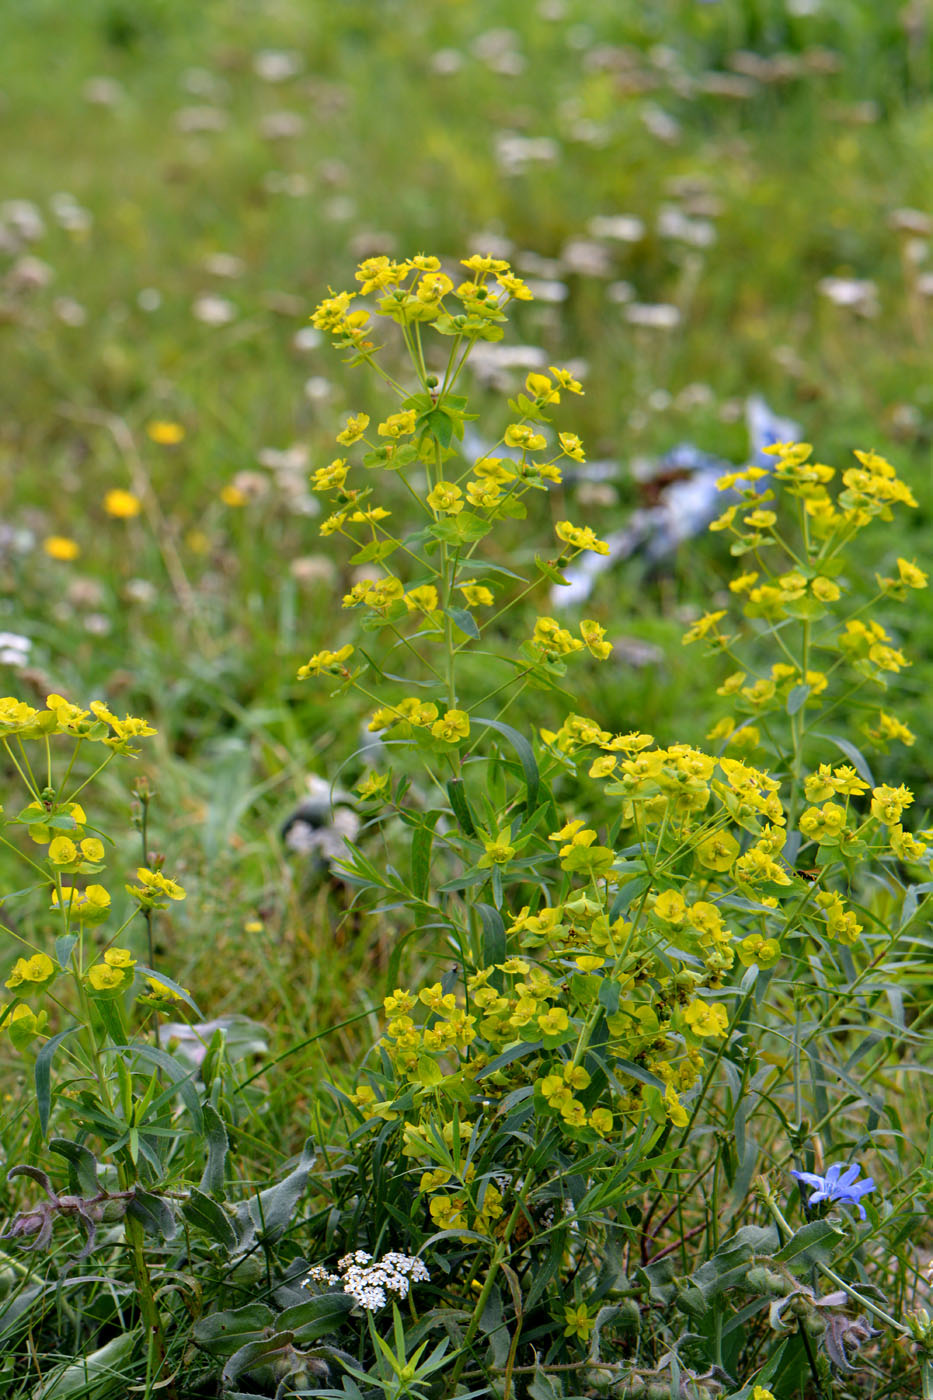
(201, 119)
(28, 274)
(916, 250)
(586, 131)
(498, 50)
(313, 569)
(285, 459)
(140, 590)
(307, 338)
(491, 242)
(674, 223)
(148, 299)
(201, 82)
(729, 85)
(624, 228)
(660, 124)
(281, 126)
(14, 649)
(294, 186)
(16, 539)
(98, 624)
(620, 292)
(550, 292)
(69, 214)
(24, 218)
(515, 154)
(445, 62)
(580, 37)
(532, 264)
(318, 388)
(289, 466)
(102, 92)
(634, 652)
(283, 303)
(252, 486)
(224, 265)
(660, 316)
(277, 65)
(598, 495)
(692, 396)
(492, 363)
(214, 311)
(373, 243)
(334, 171)
(69, 311)
(340, 209)
(856, 294)
(587, 258)
(913, 221)
(85, 593)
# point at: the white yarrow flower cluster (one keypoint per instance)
(367, 1283)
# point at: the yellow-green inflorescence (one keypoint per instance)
(620, 978)
(66, 867)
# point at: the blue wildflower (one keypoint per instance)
(839, 1184)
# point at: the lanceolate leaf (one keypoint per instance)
(43, 1074)
(525, 755)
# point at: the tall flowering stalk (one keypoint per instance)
(608, 977)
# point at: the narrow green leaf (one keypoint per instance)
(494, 943)
(797, 698)
(514, 1052)
(43, 1074)
(181, 1075)
(525, 755)
(464, 620)
(636, 1072)
(461, 808)
(422, 839)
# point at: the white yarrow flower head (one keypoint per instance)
(369, 1283)
(14, 649)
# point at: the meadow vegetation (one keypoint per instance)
(336, 338)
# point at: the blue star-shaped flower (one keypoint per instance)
(839, 1184)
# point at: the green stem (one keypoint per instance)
(99, 769)
(497, 1258)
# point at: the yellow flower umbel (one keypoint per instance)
(154, 888)
(327, 663)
